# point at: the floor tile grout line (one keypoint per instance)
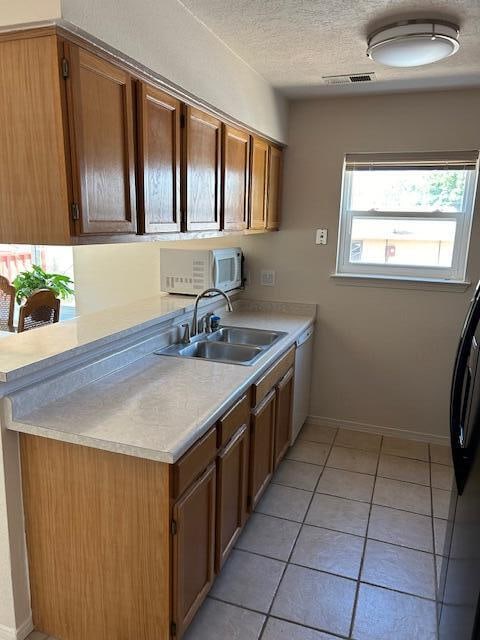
(322, 493)
(354, 535)
(306, 626)
(331, 573)
(396, 544)
(276, 616)
(288, 562)
(362, 560)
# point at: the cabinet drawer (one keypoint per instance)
(228, 424)
(192, 463)
(272, 376)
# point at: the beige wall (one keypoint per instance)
(166, 37)
(383, 356)
(111, 275)
(14, 12)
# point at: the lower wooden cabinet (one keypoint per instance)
(261, 447)
(283, 416)
(232, 486)
(193, 526)
(137, 542)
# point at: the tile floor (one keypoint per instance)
(342, 545)
(345, 543)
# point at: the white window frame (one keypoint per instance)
(456, 272)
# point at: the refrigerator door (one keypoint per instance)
(465, 396)
(458, 562)
(459, 568)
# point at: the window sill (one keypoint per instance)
(400, 282)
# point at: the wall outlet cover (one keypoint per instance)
(267, 278)
(321, 236)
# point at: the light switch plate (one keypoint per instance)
(321, 236)
(267, 278)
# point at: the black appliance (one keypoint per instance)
(459, 566)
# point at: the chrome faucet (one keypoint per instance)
(194, 330)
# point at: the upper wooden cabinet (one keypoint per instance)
(94, 151)
(236, 163)
(203, 160)
(34, 197)
(274, 188)
(159, 155)
(258, 183)
(100, 99)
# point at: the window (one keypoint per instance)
(407, 216)
(15, 258)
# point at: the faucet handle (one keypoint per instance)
(208, 322)
(186, 333)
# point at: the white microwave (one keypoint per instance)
(190, 271)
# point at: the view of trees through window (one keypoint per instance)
(423, 241)
(409, 190)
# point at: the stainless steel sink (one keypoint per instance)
(233, 345)
(215, 351)
(221, 351)
(241, 335)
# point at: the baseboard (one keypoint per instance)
(383, 431)
(20, 633)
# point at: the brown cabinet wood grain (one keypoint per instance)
(203, 170)
(34, 200)
(283, 416)
(159, 155)
(232, 487)
(258, 183)
(274, 188)
(93, 150)
(193, 549)
(98, 539)
(102, 139)
(236, 162)
(262, 437)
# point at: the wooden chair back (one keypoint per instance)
(40, 309)
(7, 304)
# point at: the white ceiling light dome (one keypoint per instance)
(413, 43)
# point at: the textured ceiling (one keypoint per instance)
(293, 43)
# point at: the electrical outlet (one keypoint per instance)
(321, 236)
(267, 278)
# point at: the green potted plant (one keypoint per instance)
(27, 282)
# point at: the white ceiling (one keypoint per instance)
(293, 43)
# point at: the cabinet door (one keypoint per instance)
(283, 415)
(203, 159)
(193, 549)
(258, 184)
(232, 472)
(261, 447)
(236, 159)
(274, 188)
(159, 160)
(102, 128)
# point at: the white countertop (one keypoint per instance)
(21, 353)
(159, 406)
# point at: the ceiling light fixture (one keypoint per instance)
(413, 43)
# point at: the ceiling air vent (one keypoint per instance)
(349, 79)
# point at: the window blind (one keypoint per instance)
(467, 160)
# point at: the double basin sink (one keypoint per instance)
(234, 345)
